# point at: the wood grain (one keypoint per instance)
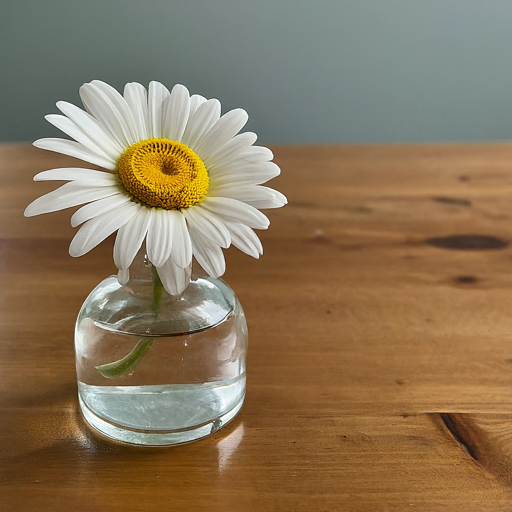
(380, 363)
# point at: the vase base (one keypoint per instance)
(155, 438)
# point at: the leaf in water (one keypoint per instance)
(128, 363)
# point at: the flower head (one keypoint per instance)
(176, 175)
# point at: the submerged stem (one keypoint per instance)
(128, 362)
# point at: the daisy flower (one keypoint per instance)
(177, 175)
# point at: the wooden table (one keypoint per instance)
(380, 365)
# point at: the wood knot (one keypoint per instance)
(468, 243)
(453, 200)
(466, 279)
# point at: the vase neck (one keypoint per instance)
(143, 274)
(141, 268)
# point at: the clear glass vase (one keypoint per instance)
(154, 369)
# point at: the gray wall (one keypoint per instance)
(306, 71)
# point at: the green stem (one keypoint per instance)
(158, 288)
(129, 362)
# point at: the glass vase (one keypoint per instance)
(155, 369)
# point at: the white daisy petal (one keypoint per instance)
(252, 156)
(206, 115)
(130, 237)
(157, 107)
(174, 278)
(250, 174)
(160, 235)
(67, 126)
(121, 109)
(245, 239)
(68, 195)
(94, 231)
(257, 196)
(92, 128)
(266, 204)
(263, 168)
(178, 110)
(99, 105)
(74, 173)
(256, 154)
(265, 153)
(231, 150)
(208, 224)
(91, 210)
(221, 132)
(136, 96)
(208, 254)
(181, 252)
(236, 211)
(76, 150)
(195, 101)
(123, 276)
(101, 181)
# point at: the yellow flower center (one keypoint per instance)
(163, 173)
